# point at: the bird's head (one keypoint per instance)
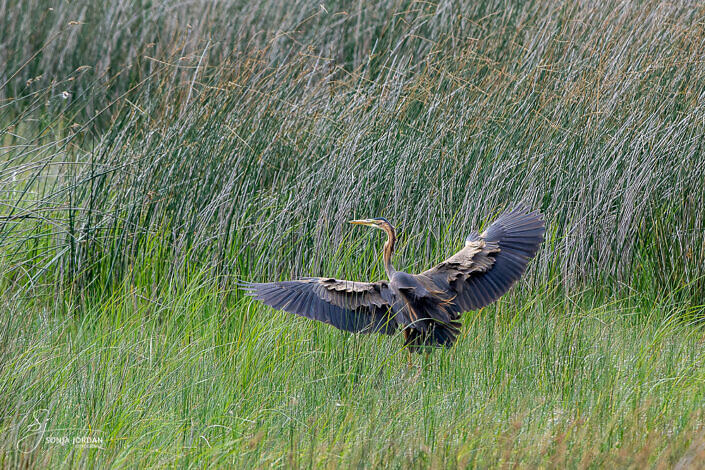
(380, 223)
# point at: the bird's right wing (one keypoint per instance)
(347, 305)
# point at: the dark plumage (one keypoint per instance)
(426, 306)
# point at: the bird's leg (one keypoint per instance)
(427, 363)
(407, 339)
(419, 369)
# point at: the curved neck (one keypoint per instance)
(388, 250)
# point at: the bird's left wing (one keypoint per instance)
(363, 307)
(490, 263)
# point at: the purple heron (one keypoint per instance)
(426, 306)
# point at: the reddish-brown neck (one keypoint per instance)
(389, 250)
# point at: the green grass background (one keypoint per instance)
(151, 154)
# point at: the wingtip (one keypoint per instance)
(525, 209)
(248, 287)
(520, 225)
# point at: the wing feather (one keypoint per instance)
(351, 306)
(490, 264)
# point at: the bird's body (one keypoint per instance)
(426, 306)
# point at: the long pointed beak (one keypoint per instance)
(370, 222)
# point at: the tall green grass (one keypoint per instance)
(559, 381)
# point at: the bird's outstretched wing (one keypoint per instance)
(351, 306)
(490, 263)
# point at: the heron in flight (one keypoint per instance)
(426, 306)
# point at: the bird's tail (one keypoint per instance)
(436, 334)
